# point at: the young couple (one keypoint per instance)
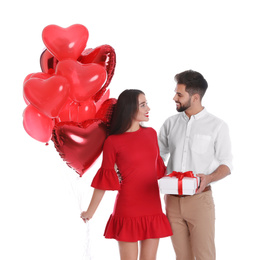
(195, 140)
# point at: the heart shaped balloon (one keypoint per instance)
(39, 75)
(106, 110)
(105, 56)
(65, 43)
(77, 112)
(37, 125)
(48, 96)
(85, 80)
(48, 62)
(105, 96)
(79, 144)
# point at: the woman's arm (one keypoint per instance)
(95, 201)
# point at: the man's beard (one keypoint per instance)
(183, 107)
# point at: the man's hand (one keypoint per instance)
(204, 181)
(221, 172)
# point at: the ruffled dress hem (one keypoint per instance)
(133, 229)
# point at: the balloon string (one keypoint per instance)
(69, 111)
(77, 115)
(86, 240)
(87, 247)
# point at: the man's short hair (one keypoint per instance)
(194, 82)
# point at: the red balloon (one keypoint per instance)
(48, 62)
(79, 144)
(37, 125)
(25, 100)
(105, 56)
(106, 110)
(65, 43)
(85, 80)
(65, 114)
(102, 99)
(49, 95)
(77, 112)
(38, 75)
(28, 77)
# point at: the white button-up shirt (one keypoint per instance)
(199, 144)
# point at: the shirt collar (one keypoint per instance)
(197, 116)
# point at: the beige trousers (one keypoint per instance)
(192, 219)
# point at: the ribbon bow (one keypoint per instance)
(180, 176)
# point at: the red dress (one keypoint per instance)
(137, 213)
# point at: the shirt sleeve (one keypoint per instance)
(163, 142)
(223, 146)
(160, 165)
(106, 178)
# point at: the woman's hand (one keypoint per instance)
(85, 216)
(94, 203)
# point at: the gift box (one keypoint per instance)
(179, 183)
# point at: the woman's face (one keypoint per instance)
(143, 109)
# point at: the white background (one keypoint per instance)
(153, 41)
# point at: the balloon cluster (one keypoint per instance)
(68, 102)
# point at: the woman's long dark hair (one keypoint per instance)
(125, 109)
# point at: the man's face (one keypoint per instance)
(182, 98)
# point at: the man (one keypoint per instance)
(196, 141)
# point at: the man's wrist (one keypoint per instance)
(210, 178)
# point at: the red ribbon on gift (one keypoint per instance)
(180, 176)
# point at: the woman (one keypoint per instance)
(137, 214)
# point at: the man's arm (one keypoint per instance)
(224, 157)
(163, 142)
(221, 172)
